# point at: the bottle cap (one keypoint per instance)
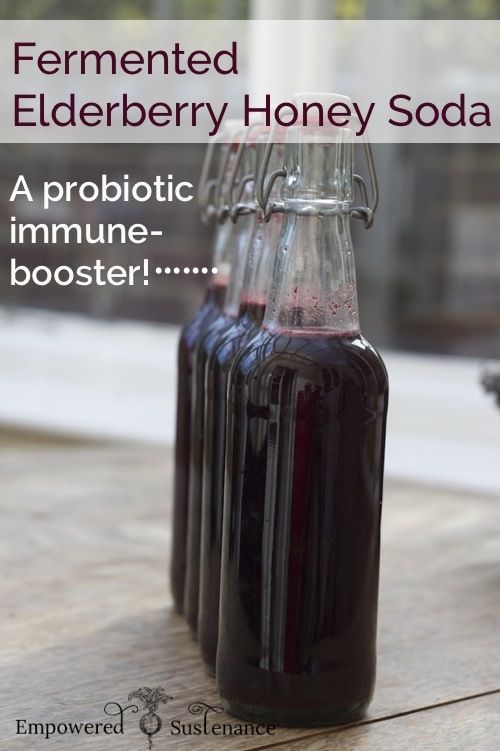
(313, 127)
(313, 123)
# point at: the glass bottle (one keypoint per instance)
(307, 404)
(257, 280)
(190, 336)
(240, 235)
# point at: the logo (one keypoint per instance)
(151, 698)
(199, 719)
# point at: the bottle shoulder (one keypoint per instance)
(213, 333)
(193, 330)
(310, 357)
(232, 341)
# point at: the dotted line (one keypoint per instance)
(185, 270)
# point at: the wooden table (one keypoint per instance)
(86, 617)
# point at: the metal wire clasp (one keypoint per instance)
(224, 187)
(367, 212)
(263, 187)
(215, 193)
(208, 185)
(239, 184)
(364, 212)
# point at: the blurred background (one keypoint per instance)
(428, 273)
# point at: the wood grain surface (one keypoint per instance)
(86, 615)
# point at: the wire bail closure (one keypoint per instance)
(238, 206)
(367, 212)
(222, 194)
(364, 212)
(215, 193)
(207, 185)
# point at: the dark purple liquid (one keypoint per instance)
(207, 344)
(303, 492)
(216, 378)
(190, 336)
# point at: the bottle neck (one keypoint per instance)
(314, 280)
(224, 231)
(259, 270)
(238, 244)
(220, 259)
(241, 239)
(262, 251)
(216, 292)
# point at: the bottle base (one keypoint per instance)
(297, 718)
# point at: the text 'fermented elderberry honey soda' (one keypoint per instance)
(307, 403)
